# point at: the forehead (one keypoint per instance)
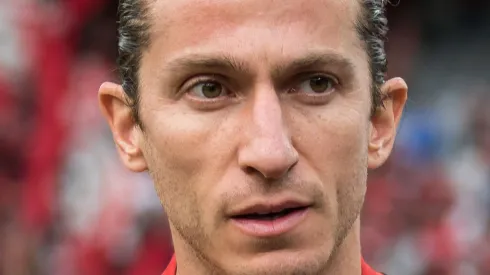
(253, 30)
(241, 11)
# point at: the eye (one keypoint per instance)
(208, 90)
(317, 85)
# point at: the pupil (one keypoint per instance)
(319, 84)
(211, 90)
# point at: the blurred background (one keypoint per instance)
(67, 206)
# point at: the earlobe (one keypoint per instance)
(385, 121)
(126, 134)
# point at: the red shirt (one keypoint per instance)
(172, 268)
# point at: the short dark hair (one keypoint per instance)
(134, 37)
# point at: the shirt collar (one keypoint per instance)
(172, 268)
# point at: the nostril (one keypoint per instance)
(268, 163)
(251, 170)
(270, 170)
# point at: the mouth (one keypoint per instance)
(270, 220)
(271, 215)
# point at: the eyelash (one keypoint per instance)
(189, 84)
(306, 77)
(210, 103)
(187, 87)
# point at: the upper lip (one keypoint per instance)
(269, 206)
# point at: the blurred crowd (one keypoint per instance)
(67, 206)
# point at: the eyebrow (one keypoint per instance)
(315, 61)
(223, 62)
(216, 62)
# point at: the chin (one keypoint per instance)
(283, 263)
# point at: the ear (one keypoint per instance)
(385, 121)
(127, 135)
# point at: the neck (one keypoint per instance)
(345, 260)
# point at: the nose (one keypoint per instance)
(267, 147)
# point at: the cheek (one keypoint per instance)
(175, 150)
(186, 153)
(172, 186)
(181, 141)
(333, 142)
(335, 146)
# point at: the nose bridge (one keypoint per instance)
(267, 148)
(267, 116)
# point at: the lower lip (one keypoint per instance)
(271, 228)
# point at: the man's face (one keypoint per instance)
(256, 128)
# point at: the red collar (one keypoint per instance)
(172, 268)
(367, 270)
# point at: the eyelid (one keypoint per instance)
(201, 79)
(299, 79)
(307, 76)
(222, 80)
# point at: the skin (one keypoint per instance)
(267, 135)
